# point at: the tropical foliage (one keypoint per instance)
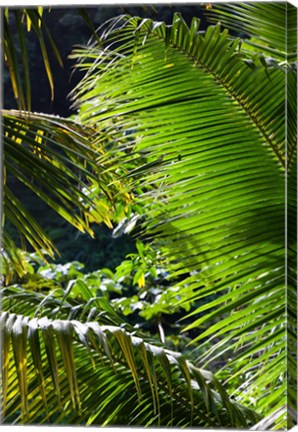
(185, 138)
(19, 73)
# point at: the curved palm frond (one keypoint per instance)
(216, 124)
(273, 31)
(55, 159)
(272, 27)
(54, 369)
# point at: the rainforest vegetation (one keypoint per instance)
(148, 244)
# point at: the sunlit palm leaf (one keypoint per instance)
(217, 122)
(54, 158)
(99, 374)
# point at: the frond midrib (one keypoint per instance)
(234, 97)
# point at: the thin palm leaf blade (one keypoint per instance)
(54, 159)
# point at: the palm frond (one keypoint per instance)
(54, 158)
(217, 204)
(272, 27)
(19, 70)
(54, 369)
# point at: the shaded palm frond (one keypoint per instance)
(16, 54)
(272, 27)
(54, 158)
(217, 208)
(75, 302)
(291, 275)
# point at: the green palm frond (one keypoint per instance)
(55, 302)
(54, 158)
(55, 370)
(291, 257)
(16, 56)
(217, 206)
(272, 27)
